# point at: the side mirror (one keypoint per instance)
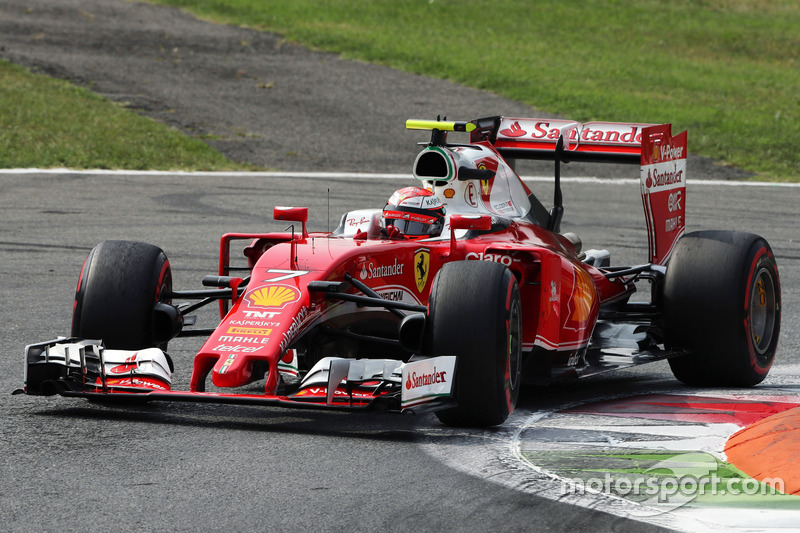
(476, 222)
(292, 214)
(479, 222)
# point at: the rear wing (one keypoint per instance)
(536, 138)
(660, 156)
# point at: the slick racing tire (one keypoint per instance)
(722, 304)
(119, 285)
(475, 314)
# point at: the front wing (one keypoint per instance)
(85, 368)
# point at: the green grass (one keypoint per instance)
(726, 70)
(51, 123)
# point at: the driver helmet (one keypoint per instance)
(414, 212)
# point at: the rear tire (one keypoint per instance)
(722, 303)
(120, 283)
(475, 314)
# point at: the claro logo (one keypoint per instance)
(421, 380)
(497, 258)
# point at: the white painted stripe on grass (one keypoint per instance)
(367, 176)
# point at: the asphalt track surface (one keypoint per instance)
(205, 467)
(199, 467)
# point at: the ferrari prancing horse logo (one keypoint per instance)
(485, 184)
(422, 263)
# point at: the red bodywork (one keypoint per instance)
(560, 295)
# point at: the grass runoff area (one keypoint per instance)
(726, 70)
(98, 134)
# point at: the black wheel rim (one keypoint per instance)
(514, 344)
(763, 313)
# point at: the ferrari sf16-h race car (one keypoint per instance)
(446, 300)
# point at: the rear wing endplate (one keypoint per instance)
(662, 177)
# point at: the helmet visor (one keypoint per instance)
(414, 223)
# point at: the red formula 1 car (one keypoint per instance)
(448, 299)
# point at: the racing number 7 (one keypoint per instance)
(285, 274)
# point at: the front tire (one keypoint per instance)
(475, 314)
(722, 303)
(120, 283)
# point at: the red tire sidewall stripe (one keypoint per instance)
(78, 293)
(161, 276)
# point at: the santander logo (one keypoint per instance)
(421, 380)
(590, 132)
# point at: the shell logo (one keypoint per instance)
(273, 296)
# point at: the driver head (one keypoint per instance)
(413, 212)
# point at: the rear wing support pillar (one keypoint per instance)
(557, 212)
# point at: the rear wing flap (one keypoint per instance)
(536, 138)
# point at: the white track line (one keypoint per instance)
(365, 175)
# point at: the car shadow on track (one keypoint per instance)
(377, 426)
(372, 426)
